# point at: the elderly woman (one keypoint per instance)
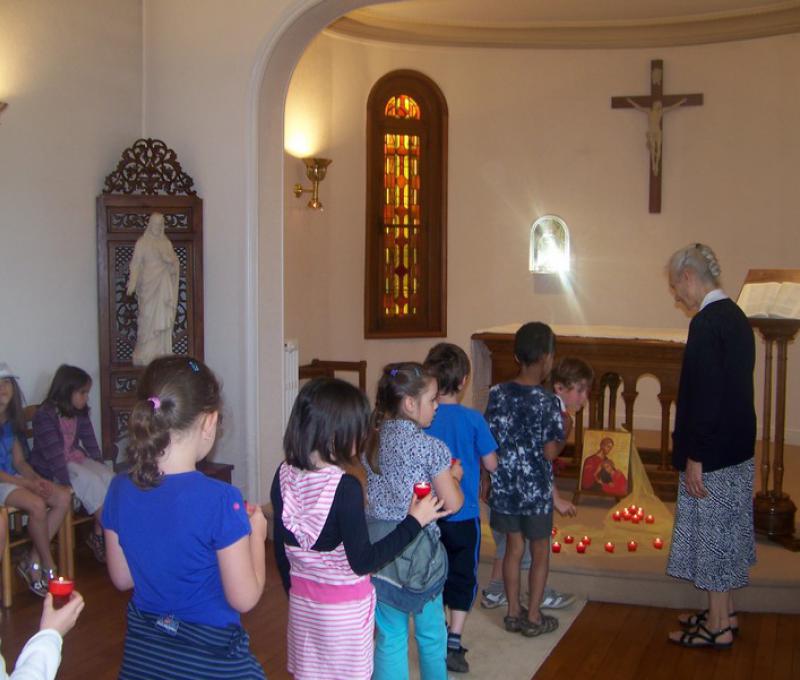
(713, 445)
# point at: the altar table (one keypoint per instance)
(617, 354)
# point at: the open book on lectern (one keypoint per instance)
(771, 299)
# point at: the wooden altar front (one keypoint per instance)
(619, 356)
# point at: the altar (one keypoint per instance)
(619, 356)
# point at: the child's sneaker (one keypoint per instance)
(552, 599)
(97, 545)
(456, 660)
(493, 600)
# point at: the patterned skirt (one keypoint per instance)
(713, 542)
(330, 640)
(185, 651)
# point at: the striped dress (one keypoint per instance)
(331, 609)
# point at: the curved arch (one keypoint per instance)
(280, 50)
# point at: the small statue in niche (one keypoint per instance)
(154, 270)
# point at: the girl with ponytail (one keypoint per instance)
(188, 545)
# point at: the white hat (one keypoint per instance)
(6, 372)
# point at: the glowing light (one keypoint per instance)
(549, 246)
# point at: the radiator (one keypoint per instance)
(291, 377)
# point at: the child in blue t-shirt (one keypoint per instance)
(471, 443)
(187, 544)
(526, 421)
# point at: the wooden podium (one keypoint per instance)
(773, 510)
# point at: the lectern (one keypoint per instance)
(773, 509)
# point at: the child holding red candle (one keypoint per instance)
(186, 543)
(527, 423)
(322, 547)
(471, 443)
(400, 455)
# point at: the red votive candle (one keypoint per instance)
(617, 516)
(658, 543)
(649, 519)
(581, 547)
(586, 540)
(554, 531)
(568, 539)
(60, 588)
(609, 547)
(636, 519)
(632, 545)
(422, 489)
(556, 547)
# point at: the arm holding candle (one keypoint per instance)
(242, 565)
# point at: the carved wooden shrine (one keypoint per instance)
(147, 179)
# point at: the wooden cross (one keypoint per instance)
(655, 106)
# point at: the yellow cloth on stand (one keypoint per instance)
(621, 532)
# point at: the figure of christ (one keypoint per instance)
(592, 466)
(655, 115)
(154, 271)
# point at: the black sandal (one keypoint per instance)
(703, 637)
(701, 617)
(513, 624)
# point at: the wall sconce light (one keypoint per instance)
(316, 168)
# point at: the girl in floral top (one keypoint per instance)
(400, 456)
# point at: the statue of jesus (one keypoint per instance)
(654, 131)
(154, 270)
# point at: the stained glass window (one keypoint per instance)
(405, 272)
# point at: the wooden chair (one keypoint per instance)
(319, 368)
(13, 519)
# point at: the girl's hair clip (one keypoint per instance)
(394, 372)
(193, 365)
(155, 401)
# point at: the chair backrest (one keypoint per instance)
(28, 413)
(320, 368)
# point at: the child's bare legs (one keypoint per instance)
(36, 509)
(515, 545)
(537, 576)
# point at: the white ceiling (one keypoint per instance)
(571, 23)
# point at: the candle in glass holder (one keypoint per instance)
(556, 547)
(636, 519)
(609, 547)
(568, 539)
(626, 515)
(617, 516)
(649, 519)
(422, 489)
(586, 540)
(632, 545)
(581, 547)
(658, 543)
(60, 588)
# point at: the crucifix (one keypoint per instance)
(655, 106)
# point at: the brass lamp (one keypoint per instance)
(316, 168)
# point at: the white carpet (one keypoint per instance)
(495, 653)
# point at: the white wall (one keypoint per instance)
(71, 74)
(532, 132)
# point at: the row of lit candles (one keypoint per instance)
(585, 542)
(633, 514)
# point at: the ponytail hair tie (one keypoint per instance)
(155, 401)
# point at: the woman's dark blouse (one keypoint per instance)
(346, 524)
(715, 421)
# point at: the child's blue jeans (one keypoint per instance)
(391, 642)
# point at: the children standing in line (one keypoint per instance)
(322, 547)
(471, 444)
(45, 503)
(187, 544)
(65, 449)
(400, 456)
(527, 424)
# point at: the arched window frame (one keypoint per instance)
(430, 319)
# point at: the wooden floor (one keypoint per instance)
(607, 641)
(621, 642)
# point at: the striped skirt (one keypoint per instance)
(329, 637)
(189, 652)
(713, 543)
